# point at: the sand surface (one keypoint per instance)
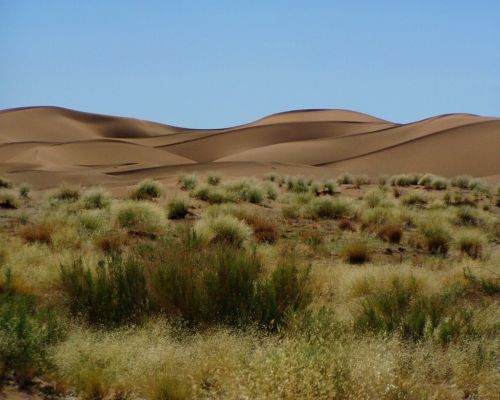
(45, 146)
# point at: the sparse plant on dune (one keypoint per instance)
(5, 183)
(326, 187)
(8, 200)
(467, 216)
(345, 179)
(188, 182)
(391, 232)
(147, 189)
(24, 190)
(479, 186)
(67, 192)
(264, 231)
(403, 180)
(40, 232)
(270, 190)
(356, 251)
(436, 236)
(376, 198)
(298, 184)
(360, 180)
(140, 217)
(414, 199)
(471, 243)
(96, 199)
(461, 181)
(222, 229)
(177, 208)
(327, 207)
(382, 180)
(214, 178)
(247, 190)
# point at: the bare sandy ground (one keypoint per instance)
(45, 146)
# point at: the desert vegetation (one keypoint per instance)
(275, 287)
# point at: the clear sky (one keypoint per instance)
(219, 63)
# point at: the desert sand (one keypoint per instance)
(45, 146)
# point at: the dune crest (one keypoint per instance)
(45, 145)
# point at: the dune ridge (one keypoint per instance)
(46, 145)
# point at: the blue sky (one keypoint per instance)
(219, 63)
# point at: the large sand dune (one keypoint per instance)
(46, 145)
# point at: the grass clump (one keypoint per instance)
(402, 307)
(177, 209)
(414, 199)
(403, 180)
(8, 200)
(328, 208)
(467, 216)
(391, 232)
(141, 217)
(5, 183)
(479, 186)
(222, 229)
(321, 188)
(264, 231)
(96, 199)
(247, 190)
(436, 236)
(148, 189)
(27, 330)
(345, 179)
(361, 180)
(114, 293)
(298, 184)
(461, 181)
(188, 182)
(24, 190)
(67, 192)
(226, 285)
(40, 232)
(214, 178)
(356, 251)
(471, 243)
(376, 198)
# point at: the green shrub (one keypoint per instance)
(430, 181)
(356, 251)
(247, 190)
(188, 182)
(226, 285)
(67, 192)
(96, 199)
(436, 236)
(5, 183)
(345, 179)
(291, 211)
(140, 217)
(113, 293)
(24, 190)
(462, 181)
(298, 184)
(378, 216)
(382, 180)
(329, 208)
(271, 176)
(27, 329)
(222, 229)
(91, 221)
(360, 180)
(489, 286)
(214, 178)
(414, 199)
(471, 243)
(467, 216)
(376, 198)
(479, 186)
(177, 209)
(147, 189)
(270, 190)
(326, 187)
(404, 180)
(8, 200)
(403, 308)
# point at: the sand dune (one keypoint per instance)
(46, 145)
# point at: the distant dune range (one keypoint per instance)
(48, 145)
